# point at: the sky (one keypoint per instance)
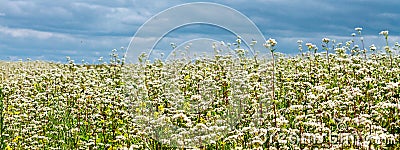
(88, 29)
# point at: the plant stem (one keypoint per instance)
(273, 85)
(2, 144)
(327, 58)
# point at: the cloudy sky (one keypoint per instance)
(88, 29)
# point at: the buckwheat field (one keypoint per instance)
(341, 96)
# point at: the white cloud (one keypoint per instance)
(20, 8)
(389, 15)
(29, 33)
(2, 14)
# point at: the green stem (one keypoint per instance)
(386, 38)
(273, 85)
(327, 58)
(2, 144)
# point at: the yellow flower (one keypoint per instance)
(16, 139)
(209, 114)
(161, 108)
(156, 114)
(8, 147)
(110, 148)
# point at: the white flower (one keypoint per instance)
(299, 42)
(325, 40)
(257, 142)
(372, 47)
(120, 137)
(272, 42)
(238, 41)
(385, 33)
(387, 48)
(266, 45)
(196, 97)
(253, 42)
(358, 29)
(296, 107)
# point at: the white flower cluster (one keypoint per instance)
(332, 101)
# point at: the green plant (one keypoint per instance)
(2, 144)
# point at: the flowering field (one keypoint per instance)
(342, 97)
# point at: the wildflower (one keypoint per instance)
(272, 42)
(173, 45)
(299, 42)
(196, 97)
(266, 45)
(358, 29)
(238, 41)
(348, 43)
(372, 47)
(309, 45)
(240, 50)
(257, 142)
(325, 40)
(387, 48)
(296, 107)
(253, 42)
(120, 137)
(384, 33)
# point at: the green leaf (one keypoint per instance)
(84, 137)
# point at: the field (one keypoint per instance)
(339, 97)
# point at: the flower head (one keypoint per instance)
(299, 42)
(239, 41)
(309, 45)
(267, 45)
(325, 40)
(387, 49)
(372, 47)
(384, 33)
(254, 42)
(272, 42)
